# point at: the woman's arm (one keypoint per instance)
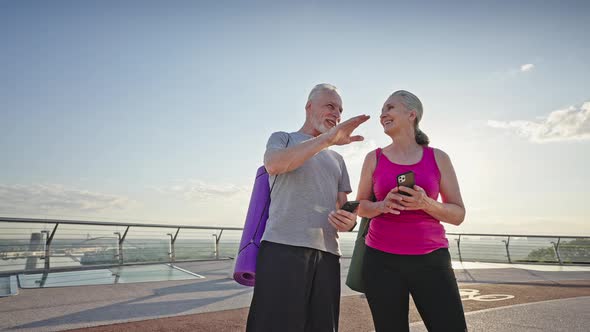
(368, 208)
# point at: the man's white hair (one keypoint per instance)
(321, 88)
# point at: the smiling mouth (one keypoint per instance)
(387, 122)
(332, 123)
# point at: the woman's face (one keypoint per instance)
(395, 116)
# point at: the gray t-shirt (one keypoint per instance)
(302, 199)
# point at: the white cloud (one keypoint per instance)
(571, 124)
(198, 189)
(45, 198)
(527, 67)
(512, 73)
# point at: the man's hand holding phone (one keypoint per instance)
(344, 219)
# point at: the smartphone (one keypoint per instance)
(350, 206)
(406, 180)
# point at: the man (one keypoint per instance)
(298, 267)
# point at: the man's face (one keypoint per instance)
(324, 110)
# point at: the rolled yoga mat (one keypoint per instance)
(245, 268)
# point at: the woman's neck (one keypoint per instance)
(404, 145)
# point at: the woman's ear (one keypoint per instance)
(413, 115)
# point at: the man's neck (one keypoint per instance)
(308, 129)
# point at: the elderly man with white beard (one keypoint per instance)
(298, 268)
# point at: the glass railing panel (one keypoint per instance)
(533, 250)
(229, 243)
(83, 245)
(575, 250)
(22, 245)
(195, 244)
(147, 244)
(484, 248)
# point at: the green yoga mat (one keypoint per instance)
(354, 278)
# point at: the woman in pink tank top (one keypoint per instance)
(407, 250)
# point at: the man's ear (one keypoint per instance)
(308, 106)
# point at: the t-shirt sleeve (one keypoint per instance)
(277, 141)
(344, 183)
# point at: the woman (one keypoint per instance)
(407, 250)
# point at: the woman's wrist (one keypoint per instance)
(430, 205)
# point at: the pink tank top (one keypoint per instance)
(410, 232)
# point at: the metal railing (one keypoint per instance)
(42, 245)
(515, 248)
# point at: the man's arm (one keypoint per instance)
(286, 160)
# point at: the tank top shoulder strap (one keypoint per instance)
(429, 155)
(378, 154)
(429, 160)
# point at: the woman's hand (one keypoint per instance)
(342, 220)
(391, 203)
(418, 200)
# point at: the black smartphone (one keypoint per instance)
(406, 180)
(350, 206)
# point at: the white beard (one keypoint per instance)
(321, 127)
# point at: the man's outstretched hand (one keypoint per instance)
(342, 133)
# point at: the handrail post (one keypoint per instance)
(217, 238)
(172, 253)
(48, 247)
(556, 247)
(120, 241)
(459, 248)
(217, 243)
(119, 253)
(507, 242)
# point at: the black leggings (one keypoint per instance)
(390, 279)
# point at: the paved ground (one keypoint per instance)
(216, 303)
(564, 315)
(355, 314)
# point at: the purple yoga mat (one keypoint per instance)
(245, 268)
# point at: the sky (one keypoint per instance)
(159, 111)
